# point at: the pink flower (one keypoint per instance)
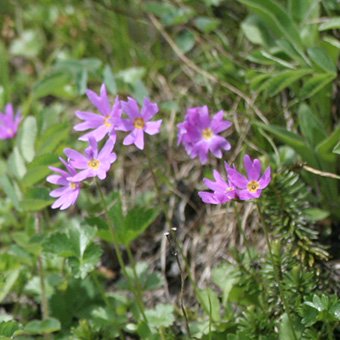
(104, 123)
(138, 121)
(94, 163)
(249, 187)
(8, 123)
(69, 191)
(199, 133)
(223, 190)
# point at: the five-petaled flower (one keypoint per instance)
(9, 123)
(94, 163)
(138, 121)
(200, 134)
(249, 187)
(223, 190)
(104, 123)
(68, 192)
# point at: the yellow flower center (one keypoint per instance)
(73, 185)
(207, 133)
(106, 122)
(94, 164)
(139, 123)
(253, 186)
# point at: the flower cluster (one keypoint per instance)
(237, 186)
(9, 123)
(95, 162)
(199, 133)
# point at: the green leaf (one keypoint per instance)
(26, 138)
(185, 40)
(277, 82)
(320, 57)
(209, 302)
(337, 148)
(51, 84)
(38, 169)
(278, 19)
(225, 278)
(316, 83)
(36, 199)
(109, 80)
(206, 24)
(291, 139)
(41, 327)
(28, 44)
(255, 31)
(10, 278)
(330, 24)
(310, 125)
(286, 332)
(51, 138)
(137, 220)
(16, 164)
(8, 328)
(325, 148)
(315, 214)
(161, 316)
(11, 190)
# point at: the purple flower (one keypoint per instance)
(138, 122)
(223, 191)
(104, 123)
(199, 133)
(249, 187)
(8, 123)
(69, 191)
(93, 163)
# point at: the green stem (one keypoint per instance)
(172, 237)
(277, 271)
(120, 256)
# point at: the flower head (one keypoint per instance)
(223, 190)
(249, 187)
(93, 163)
(200, 134)
(68, 192)
(9, 123)
(104, 123)
(138, 121)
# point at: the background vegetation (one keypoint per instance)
(272, 65)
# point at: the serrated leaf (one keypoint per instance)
(8, 328)
(161, 316)
(26, 138)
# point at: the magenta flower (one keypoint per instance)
(249, 187)
(223, 191)
(93, 163)
(104, 123)
(138, 122)
(69, 191)
(9, 123)
(199, 133)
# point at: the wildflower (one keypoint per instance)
(249, 187)
(93, 163)
(104, 123)
(69, 191)
(138, 121)
(223, 190)
(9, 123)
(200, 134)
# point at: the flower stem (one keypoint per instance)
(120, 256)
(277, 270)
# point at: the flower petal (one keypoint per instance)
(153, 128)
(253, 168)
